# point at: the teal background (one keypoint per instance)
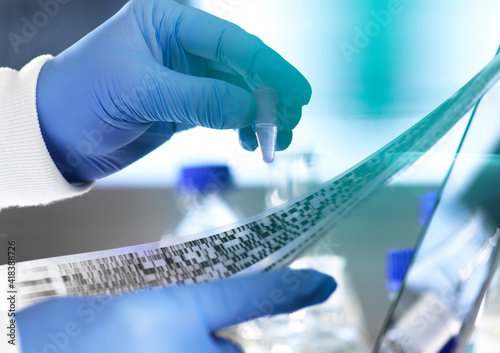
(425, 53)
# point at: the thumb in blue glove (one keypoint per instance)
(153, 69)
(174, 319)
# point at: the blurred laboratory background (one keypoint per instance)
(375, 66)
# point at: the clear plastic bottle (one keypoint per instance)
(442, 285)
(201, 201)
(335, 326)
(338, 324)
(290, 176)
(487, 333)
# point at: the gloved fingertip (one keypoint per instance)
(317, 287)
(296, 93)
(247, 138)
(249, 146)
(228, 346)
(299, 95)
(283, 140)
(288, 116)
(329, 285)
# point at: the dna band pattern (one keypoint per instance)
(260, 243)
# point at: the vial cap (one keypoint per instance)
(396, 264)
(204, 179)
(426, 204)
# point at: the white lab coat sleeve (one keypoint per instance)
(28, 176)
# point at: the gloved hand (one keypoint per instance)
(155, 68)
(174, 319)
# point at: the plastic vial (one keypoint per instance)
(200, 199)
(265, 124)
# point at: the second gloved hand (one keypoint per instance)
(153, 69)
(181, 319)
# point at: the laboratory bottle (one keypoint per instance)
(397, 262)
(440, 286)
(338, 325)
(334, 326)
(202, 200)
(291, 176)
(487, 332)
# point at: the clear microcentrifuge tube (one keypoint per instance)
(266, 125)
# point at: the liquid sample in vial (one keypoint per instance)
(265, 124)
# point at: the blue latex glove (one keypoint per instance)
(175, 320)
(155, 68)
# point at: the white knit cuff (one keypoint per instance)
(28, 176)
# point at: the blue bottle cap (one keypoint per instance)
(204, 179)
(426, 204)
(396, 264)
